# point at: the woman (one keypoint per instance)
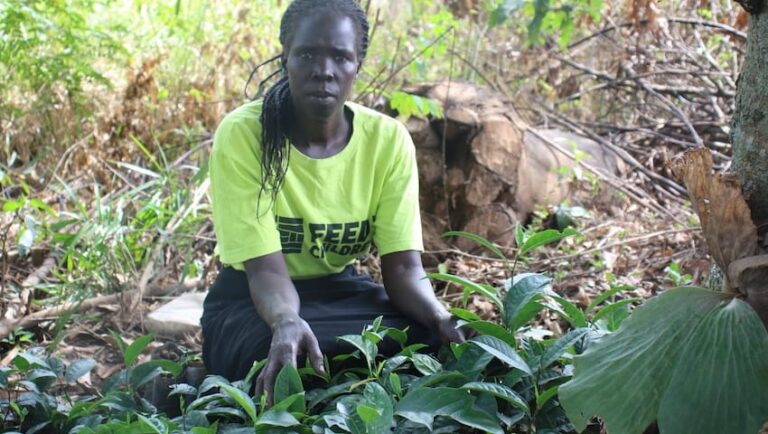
(302, 183)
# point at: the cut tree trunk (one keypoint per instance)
(750, 145)
(493, 170)
(750, 121)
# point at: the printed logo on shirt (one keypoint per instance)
(291, 234)
(344, 239)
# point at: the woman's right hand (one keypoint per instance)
(291, 338)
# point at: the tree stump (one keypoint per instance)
(481, 171)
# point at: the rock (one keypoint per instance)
(177, 317)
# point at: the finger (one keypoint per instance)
(259, 389)
(468, 332)
(269, 385)
(315, 355)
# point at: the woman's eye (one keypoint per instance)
(305, 56)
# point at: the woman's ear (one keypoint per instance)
(283, 63)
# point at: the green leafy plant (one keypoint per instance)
(546, 17)
(505, 379)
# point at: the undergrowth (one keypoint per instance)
(505, 379)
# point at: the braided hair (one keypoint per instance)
(277, 107)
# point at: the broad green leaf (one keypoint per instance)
(546, 396)
(27, 360)
(464, 314)
(636, 363)
(520, 235)
(143, 374)
(169, 366)
(557, 348)
(211, 382)
(423, 405)
(288, 383)
(317, 396)
(136, 348)
(367, 414)
(425, 364)
(182, 389)
(607, 310)
(366, 347)
(479, 240)
(279, 418)
(243, 400)
(379, 400)
(606, 295)
(155, 424)
(545, 237)
(468, 286)
(442, 378)
(720, 383)
(78, 368)
(499, 391)
(43, 378)
(521, 291)
(568, 311)
(502, 351)
(472, 360)
(202, 401)
(493, 329)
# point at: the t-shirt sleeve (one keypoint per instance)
(397, 226)
(243, 219)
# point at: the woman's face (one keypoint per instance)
(322, 63)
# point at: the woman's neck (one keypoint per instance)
(322, 137)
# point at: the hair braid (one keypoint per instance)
(277, 106)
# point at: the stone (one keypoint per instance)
(178, 317)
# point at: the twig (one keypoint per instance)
(33, 280)
(675, 109)
(675, 20)
(170, 228)
(8, 325)
(605, 177)
(624, 155)
(621, 243)
(413, 58)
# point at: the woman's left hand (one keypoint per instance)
(449, 331)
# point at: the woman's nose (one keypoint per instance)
(323, 68)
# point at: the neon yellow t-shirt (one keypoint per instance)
(328, 211)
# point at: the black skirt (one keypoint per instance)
(234, 336)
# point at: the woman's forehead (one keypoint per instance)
(325, 28)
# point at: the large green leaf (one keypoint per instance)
(694, 359)
(469, 286)
(242, 399)
(480, 240)
(423, 405)
(378, 398)
(502, 351)
(499, 391)
(544, 237)
(288, 383)
(520, 292)
(136, 348)
(720, 384)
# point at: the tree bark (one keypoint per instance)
(750, 121)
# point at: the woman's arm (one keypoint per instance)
(411, 292)
(277, 303)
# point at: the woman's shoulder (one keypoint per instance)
(246, 115)
(240, 127)
(379, 124)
